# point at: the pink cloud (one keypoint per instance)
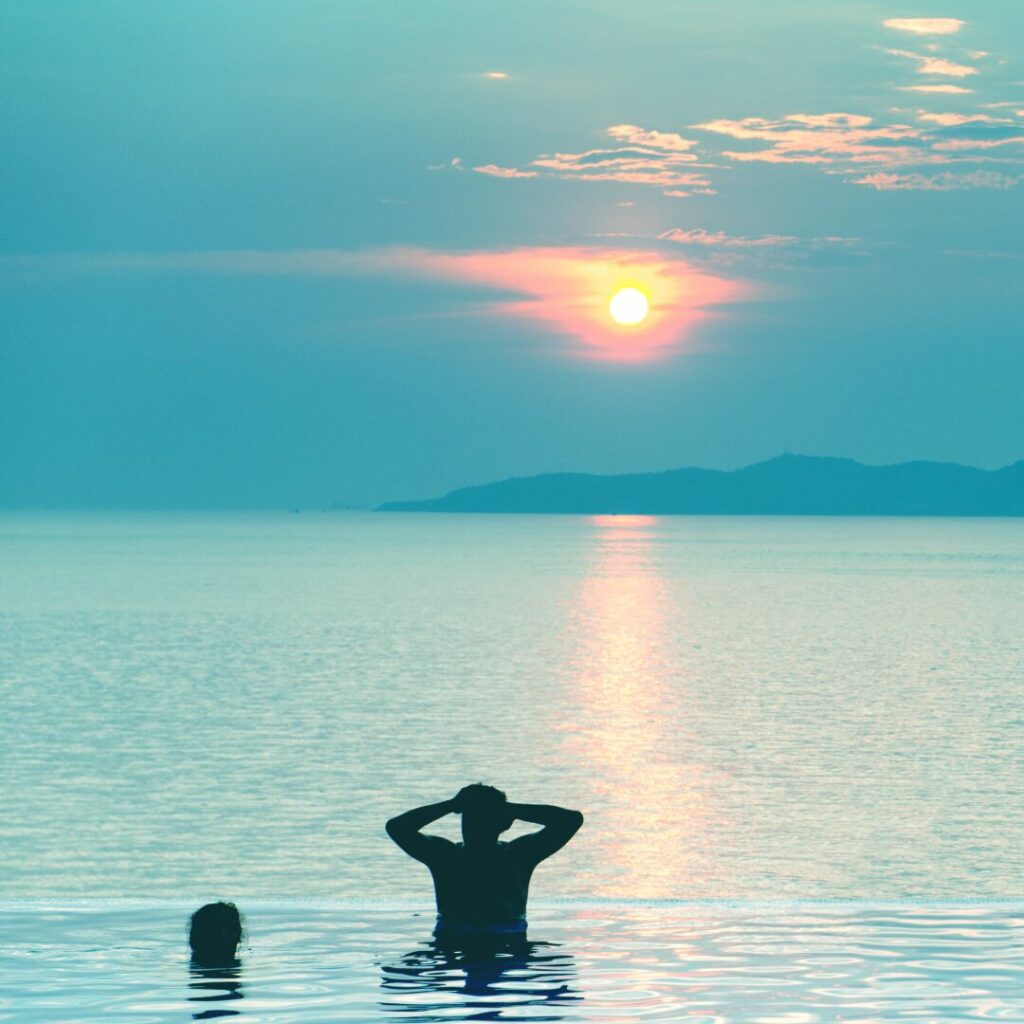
(945, 182)
(935, 65)
(773, 156)
(637, 136)
(632, 166)
(838, 142)
(700, 236)
(941, 66)
(952, 120)
(950, 90)
(504, 172)
(925, 26)
(961, 145)
(641, 157)
(819, 139)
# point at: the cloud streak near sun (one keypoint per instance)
(565, 291)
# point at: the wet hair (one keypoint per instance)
(484, 807)
(479, 797)
(214, 932)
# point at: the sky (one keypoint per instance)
(319, 254)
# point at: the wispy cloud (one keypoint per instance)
(659, 159)
(925, 26)
(931, 65)
(722, 249)
(949, 120)
(455, 164)
(845, 143)
(637, 136)
(700, 236)
(943, 182)
(564, 291)
(947, 89)
(504, 172)
(819, 139)
(852, 145)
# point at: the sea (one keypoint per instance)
(796, 741)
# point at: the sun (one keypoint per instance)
(629, 306)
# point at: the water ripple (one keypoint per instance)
(93, 963)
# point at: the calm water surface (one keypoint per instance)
(704, 964)
(198, 706)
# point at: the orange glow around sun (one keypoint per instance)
(611, 305)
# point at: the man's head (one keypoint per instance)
(485, 814)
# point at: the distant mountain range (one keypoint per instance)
(786, 485)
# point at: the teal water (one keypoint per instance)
(227, 705)
(95, 963)
(754, 714)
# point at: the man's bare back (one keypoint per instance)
(483, 883)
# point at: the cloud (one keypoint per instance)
(925, 26)
(495, 75)
(722, 249)
(678, 193)
(961, 145)
(944, 182)
(455, 164)
(852, 145)
(631, 165)
(819, 139)
(700, 236)
(949, 90)
(928, 65)
(659, 159)
(845, 143)
(562, 290)
(637, 136)
(504, 172)
(952, 120)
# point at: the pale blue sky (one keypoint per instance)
(292, 254)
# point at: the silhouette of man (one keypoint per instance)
(481, 884)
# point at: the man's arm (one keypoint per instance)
(405, 830)
(560, 825)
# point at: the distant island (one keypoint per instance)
(786, 485)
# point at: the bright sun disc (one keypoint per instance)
(628, 306)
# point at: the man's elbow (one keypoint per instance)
(393, 827)
(574, 821)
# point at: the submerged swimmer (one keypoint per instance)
(481, 884)
(214, 932)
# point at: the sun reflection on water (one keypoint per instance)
(633, 729)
